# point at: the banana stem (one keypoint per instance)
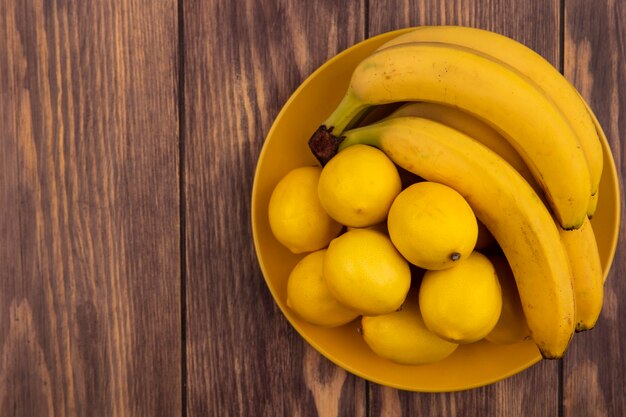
(324, 144)
(366, 135)
(349, 109)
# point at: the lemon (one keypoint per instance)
(512, 326)
(358, 185)
(296, 217)
(432, 225)
(308, 296)
(365, 272)
(402, 337)
(462, 304)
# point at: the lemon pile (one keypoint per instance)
(361, 229)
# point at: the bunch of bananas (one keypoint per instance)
(500, 125)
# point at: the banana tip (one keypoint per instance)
(583, 328)
(551, 356)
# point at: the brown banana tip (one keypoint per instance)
(550, 356)
(583, 328)
(324, 144)
(455, 256)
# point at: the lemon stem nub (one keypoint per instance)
(455, 256)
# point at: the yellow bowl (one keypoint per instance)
(285, 148)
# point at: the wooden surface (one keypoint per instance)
(129, 133)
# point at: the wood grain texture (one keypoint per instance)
(89, 278)
(518, 396)
(595, 61)
(534, 23)
(534, 392)
(242, 61)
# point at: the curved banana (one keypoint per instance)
(472, 127)
(458, 77)
(587, 276)
(533, 66)
(502, 200)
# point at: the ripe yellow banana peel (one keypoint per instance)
(474, 128)
(536, 69)
(587, 276)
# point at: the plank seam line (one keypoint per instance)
(182, 205)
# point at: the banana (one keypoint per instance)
(472, 127)
(532, 66)
(501, 199)
(459, 77)
(588, 280)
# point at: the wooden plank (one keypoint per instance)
(89, 212)
(595, 62)
(242, 61)
(521, 395)
(535, 24)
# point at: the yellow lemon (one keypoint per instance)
(308, 296)
(365, 272)
(462, 304)
(432, 225)
(402, 337)
(358, 185)
(296, 217)
(512, 326)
